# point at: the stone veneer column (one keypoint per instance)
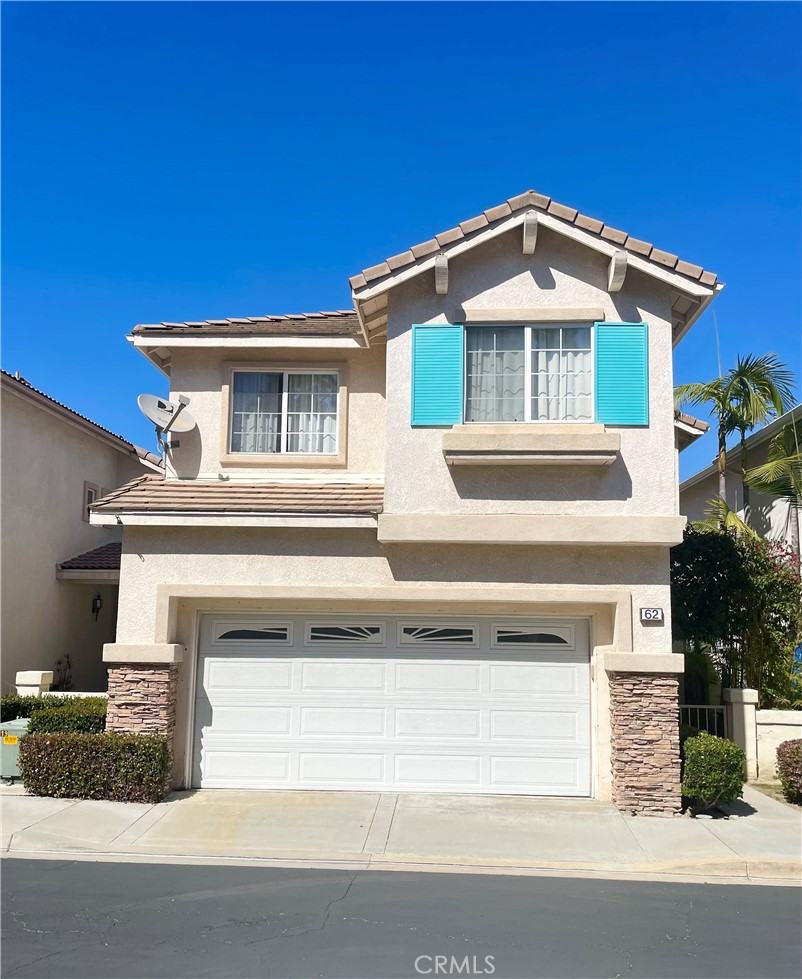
(142, 698)
(644, 715)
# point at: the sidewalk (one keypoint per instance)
(760, 841)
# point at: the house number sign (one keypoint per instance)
(651, 615)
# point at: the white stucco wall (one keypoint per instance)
(561, 274)
(199, 374)
(45, 463)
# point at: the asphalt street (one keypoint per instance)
(134, 921)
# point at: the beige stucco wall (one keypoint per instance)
(774, 727)
(561, 274)
(199, 374)
(45, 463)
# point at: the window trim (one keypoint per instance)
(87, 503)
(527, 328)
(284, 460)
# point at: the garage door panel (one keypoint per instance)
(247, 673)
(540, 679)
(420, 717)
(432, 723)
(559, 773)
(451, 679)
(338, 721)
(542, 725)
(246, 765)
(343, 676)
(256, 720)
(426, 770)
(344, 767)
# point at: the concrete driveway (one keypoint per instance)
(761, 838)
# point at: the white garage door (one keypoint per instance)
(410, 703)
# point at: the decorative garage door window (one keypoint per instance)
(270, 632)
(540, 635)
(345, 634)
(410, 634)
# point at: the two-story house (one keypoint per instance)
(408, 545)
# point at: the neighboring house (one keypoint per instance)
(769, 515)
(408, 544)
(55, 565)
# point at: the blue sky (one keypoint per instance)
(190, 161)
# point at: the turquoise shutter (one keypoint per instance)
(438, 370)
(622, 373)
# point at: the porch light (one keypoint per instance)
(97, 605)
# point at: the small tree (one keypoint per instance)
(740, 598)
(782, 475)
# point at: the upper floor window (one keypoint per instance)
(91, 493)
(292, 412)
(529, 373)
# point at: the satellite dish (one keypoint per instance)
(165, 415)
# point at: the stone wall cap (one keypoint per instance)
(134, 653)
(733, 695)
(34, 678)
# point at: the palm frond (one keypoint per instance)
(696, 393)
(718, 514)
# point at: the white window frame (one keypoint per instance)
(377, 642)
(409, 641)
(565, 629)
(90, 488)
(221, 626)
(527, 328)
(284, 400)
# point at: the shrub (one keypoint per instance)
(714, 770)
(789, 769)
(85, 715)
(13, 706)
(119, 767)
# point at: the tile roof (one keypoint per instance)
(691, 422)
(337, 322)
(154, 494)
(25, 387)
(530, 199)
(103, 558)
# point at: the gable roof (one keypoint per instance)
(694, 285)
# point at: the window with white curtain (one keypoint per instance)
(529, 373)
(284, 411)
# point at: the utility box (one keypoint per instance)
(10, 733)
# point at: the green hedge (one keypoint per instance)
(13, 706)
(789, 769)
(713, 771)
(119, 767)
(86, 715)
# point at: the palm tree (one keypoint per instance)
(749, 394)
(782, 475)
(760, 388)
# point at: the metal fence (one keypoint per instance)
(710, 719)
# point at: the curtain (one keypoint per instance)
(495, 374)
(256, 417)
(312, 413)
(561, 374)
(311, 420)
